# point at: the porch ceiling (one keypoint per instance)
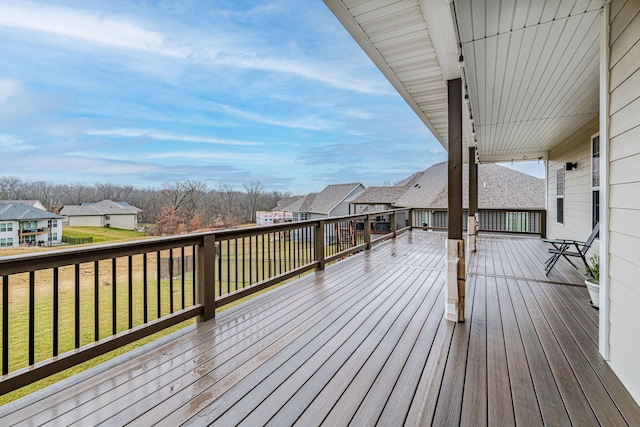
(531, 67)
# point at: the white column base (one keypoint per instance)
(454, 281)
(471, 233)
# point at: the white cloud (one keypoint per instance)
(9, 88)
(245, 158)
(321, 73)
(151, 134)
(307, 123)
(86, 26)
(11, 143)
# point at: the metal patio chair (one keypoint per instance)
(570, 248)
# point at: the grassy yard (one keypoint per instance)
(239, 263)
(101, 234)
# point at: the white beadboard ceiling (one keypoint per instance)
(530, 66)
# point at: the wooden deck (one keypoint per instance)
(363, 343)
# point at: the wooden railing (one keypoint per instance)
(489, 220)
(61, 308)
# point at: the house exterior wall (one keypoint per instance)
(343, 207)
(10, 232)
(86, 221)
(577, 189)
(624, 188)
(125, 222)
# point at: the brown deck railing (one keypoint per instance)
(493, 220)
(61, 308)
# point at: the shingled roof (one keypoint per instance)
(325, 201)
(498, 188)
(105, 207)
(23, 212)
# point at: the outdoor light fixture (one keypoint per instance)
(571, 166)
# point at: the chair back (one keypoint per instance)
(592, 237)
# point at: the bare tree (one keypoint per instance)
(77, 193)
(228, 202)
(184, 197)
(252, 199)
(10, 187)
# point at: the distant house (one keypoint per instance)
(33, 203)
(24, 225)
(505, 192)
(102, 214)
(330, 202)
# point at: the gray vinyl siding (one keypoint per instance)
(86, 221)
(624, 191)
(577, 186)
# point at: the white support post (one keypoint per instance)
(455, 281)
(603, 323)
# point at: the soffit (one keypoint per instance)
(396, 36)
(532, 72)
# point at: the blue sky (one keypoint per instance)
(147, 92)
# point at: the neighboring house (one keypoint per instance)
(33, 203)
(330, 202)
(24, 225)
(284, 202)
(102, 214)
(553, 81)
(273, 217)
(504, 196)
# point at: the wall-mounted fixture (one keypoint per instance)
(571, 166)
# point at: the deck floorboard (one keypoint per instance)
(364, 342)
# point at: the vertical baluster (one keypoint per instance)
(159, 284)
(114, 310)
(182, 275)
(5, 325)
(130, 301)
(32, 315)
(262, 257)
(170, 280)
(77, 308)
(243, 264)
(194, 275)
(56, 312)
(228, 265)
(96, 300)
(250, 263)
(145, 296)
(219, 246)
(235, 262)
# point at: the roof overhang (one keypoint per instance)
(530, 68)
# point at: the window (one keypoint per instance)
(560, 196)
(3, 242)
(595, 180)
(54, 222)
(55, 236)
(6, 226)
(10, 241)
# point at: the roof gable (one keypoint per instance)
(23, 212)
(105, 207)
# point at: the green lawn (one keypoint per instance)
(101, 234)
(240, 263)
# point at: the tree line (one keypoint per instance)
(174, 208)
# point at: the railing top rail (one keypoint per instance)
(60, 257)
(57, 258)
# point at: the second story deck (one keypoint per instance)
(364, 343)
